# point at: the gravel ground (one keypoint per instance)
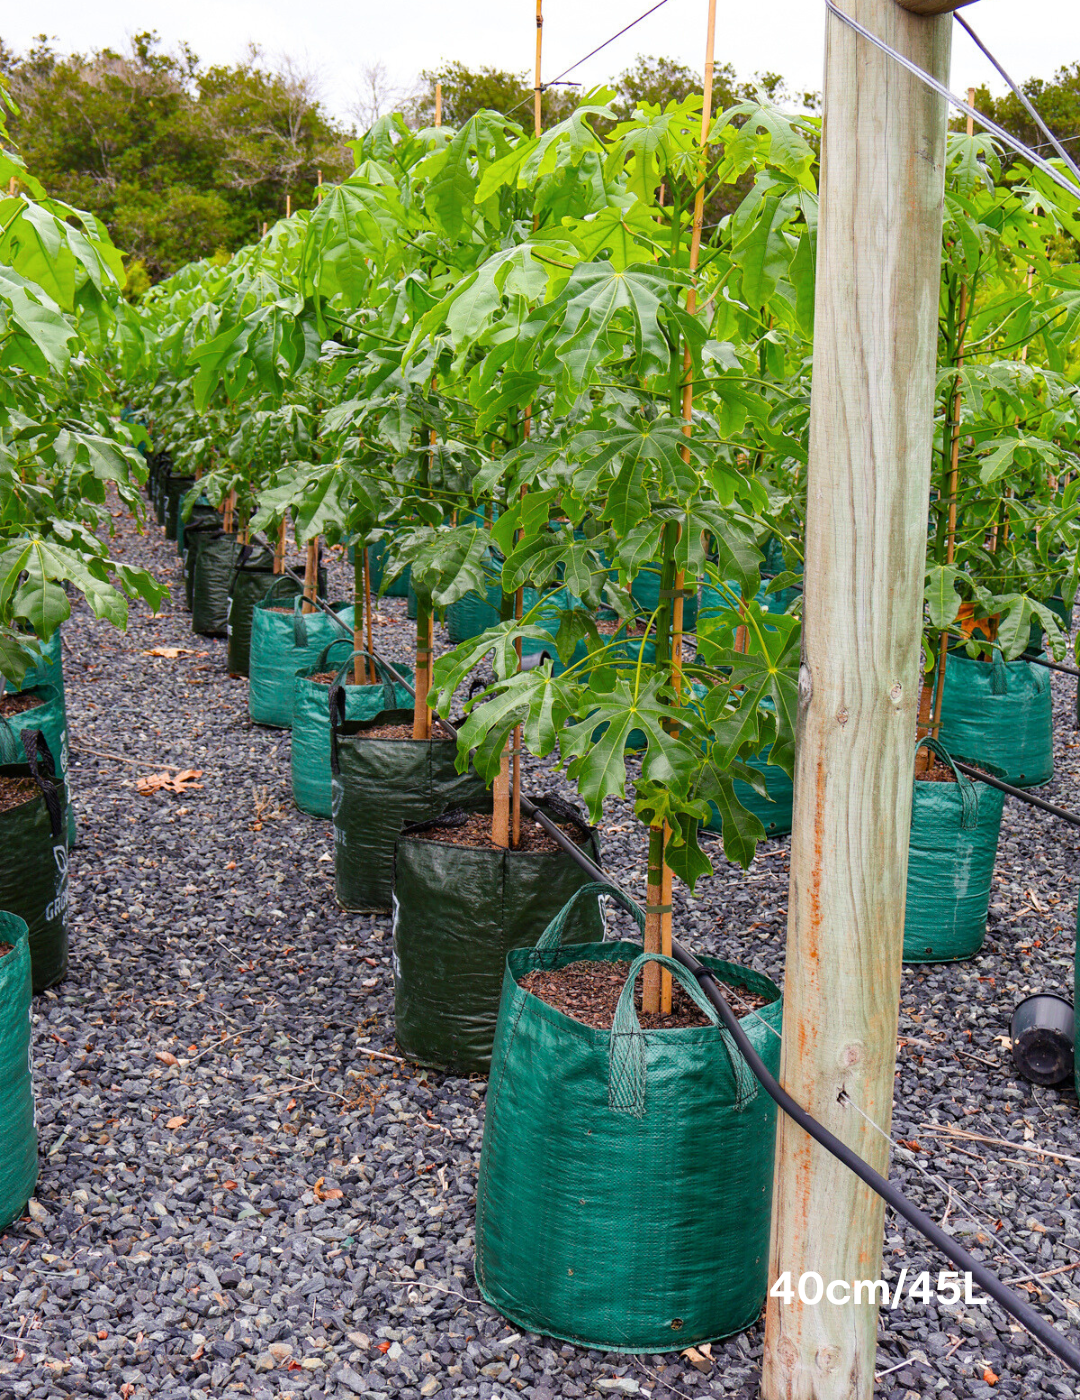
(238, 1197)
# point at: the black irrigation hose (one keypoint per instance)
(1021, 793)
(1051, 665)
(988, 1281)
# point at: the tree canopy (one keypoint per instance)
(178, 160)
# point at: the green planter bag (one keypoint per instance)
(50, 717)
(48, 671)
(18, 1124)
(399, 588)
(311, 720)
(458, 910)
(626, 1176)
(213, 571)
(774, 816)
(34, 860)
(953, 846)
(379, 785)
(202, 510)
(175, 491)
(252, 578)
(196, 532)
(999, 716)
(283, 644)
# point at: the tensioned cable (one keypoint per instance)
(1062, 152)
(1013, 142)
(591, 54)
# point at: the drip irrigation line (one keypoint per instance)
(1051, 665)
(1013, 142)
(1024, 1313)
(1021, 793)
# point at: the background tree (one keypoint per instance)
(177, 160)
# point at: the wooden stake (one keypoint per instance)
(438, 104)
(264, 228)
(230, 510)
(311, 576)
(425, 640)
(288, 206)
(279, 551)
(537, 89)
(871, 442)
(367, 607)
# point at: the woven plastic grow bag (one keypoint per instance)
(999, 714)
(175, 491)
(213, 571)
(774, 816)
(283, 644)
(200, 511)
(252, 578)
(49, 670)
(50, 717)
(399, 587)
(954, 840)
(34, 865)
(606, 1152)
(196, 532)
(18, 1126)
(377, 787)
(458, 910)
(311, 719)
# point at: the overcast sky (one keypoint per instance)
(338, 38)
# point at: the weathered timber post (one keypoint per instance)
(871, 438)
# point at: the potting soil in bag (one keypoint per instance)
(311, 717)
(18, 1126)
(458, 910)
(377, 786)
(283, 643)
(49, 716)
(626, 1176)
(34, 857)
(999, 715)
(213, 571)
(954, 839)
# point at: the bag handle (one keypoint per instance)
(550, 940)
(627, 1065)
(969, 796)
(337, 688)
(272, 591)
(324, 655)
(38, 757)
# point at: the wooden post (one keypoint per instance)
(311, 576)
(438, 104)
(871, 438)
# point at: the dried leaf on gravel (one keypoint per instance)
(177, 1122)
(171, 653)
(184, 781)
(166, 1057)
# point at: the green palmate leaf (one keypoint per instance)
(942, 596)
(763, 253)
(767, 672)
(595, 294)
(742, 830)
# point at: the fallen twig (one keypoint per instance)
(119, 758)
(999, 1142)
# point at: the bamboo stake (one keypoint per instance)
(311, 576)
(264, 228)
(367, 608)
(656, 988)
(868, 489)
(537, 89)
(318, 191)
(288, 206)
(438, 104)
(279, 551)
(425, 638)
(230, 509)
